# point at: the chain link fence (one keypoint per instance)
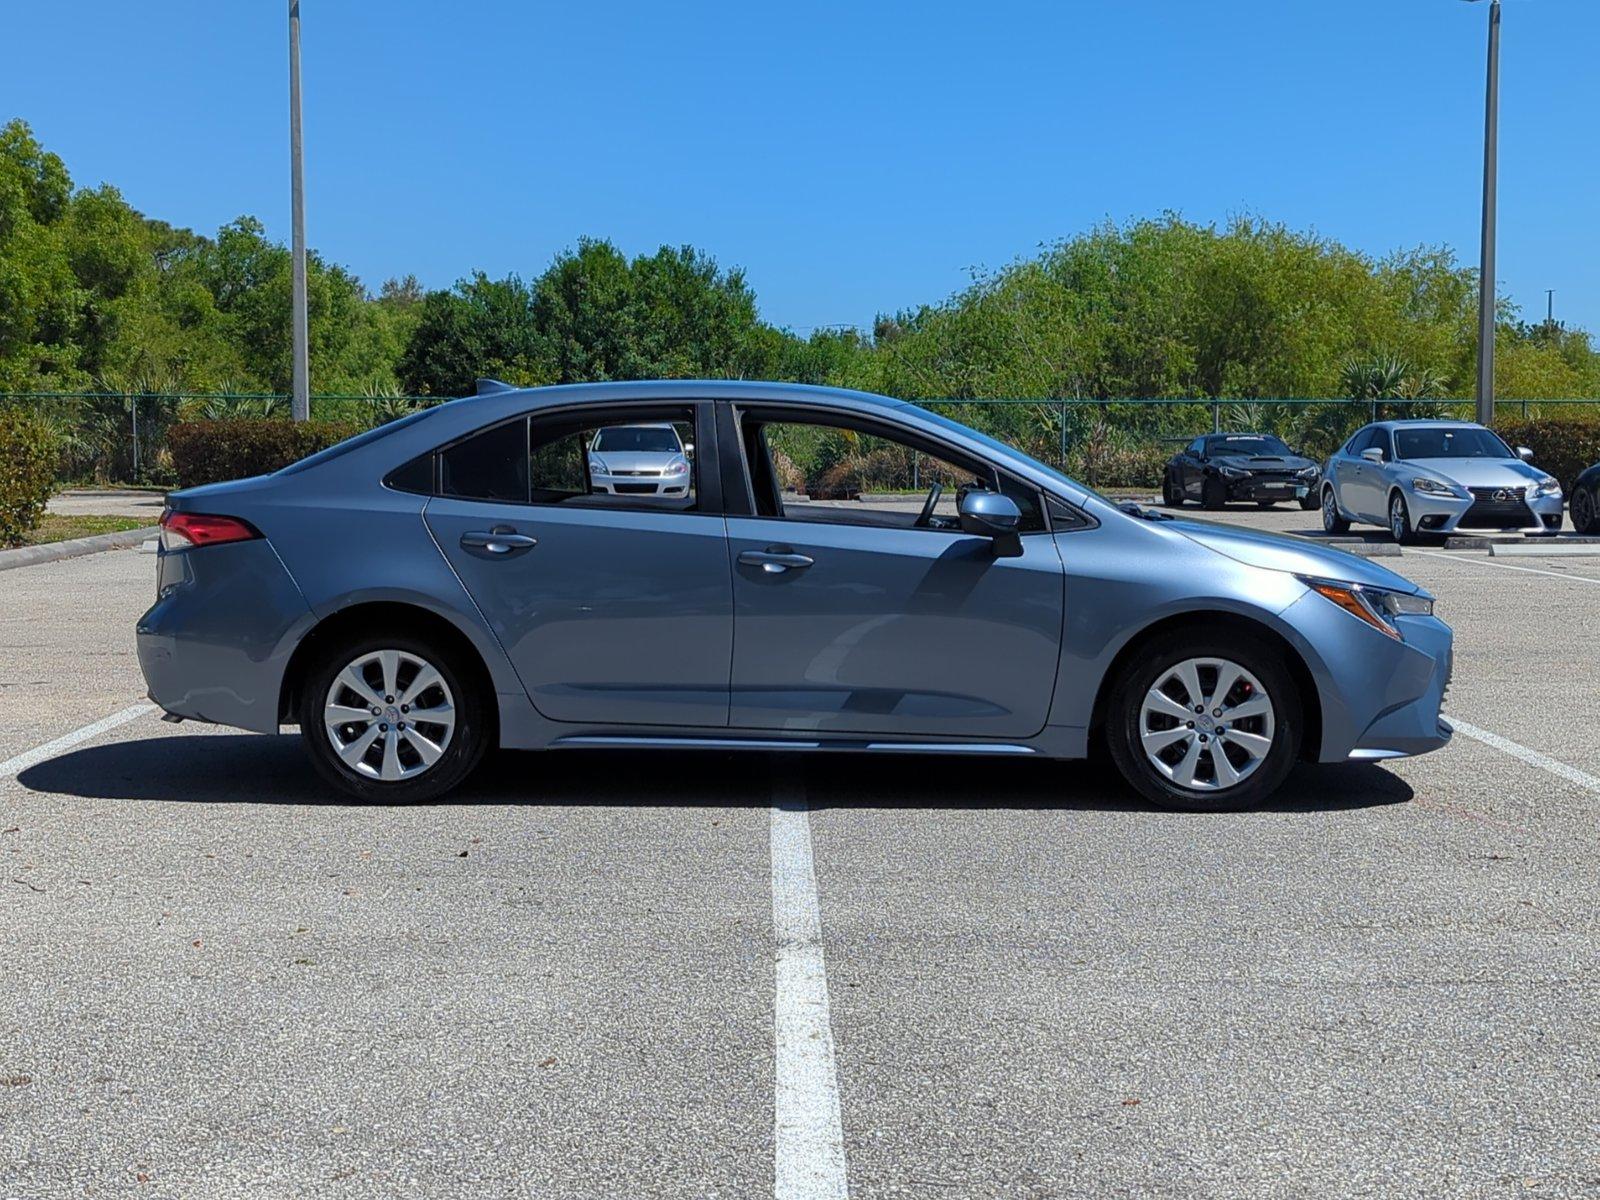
(122, 438)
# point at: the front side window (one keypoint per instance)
(833, 472)
(1445, 442)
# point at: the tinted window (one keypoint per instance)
(1445, 442)
(1197, 447)
(492, 465)
(1362, 439)
(415, 476)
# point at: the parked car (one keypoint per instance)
(1220, 467)
(454, 580)
(1423, 478)
(639, 460)
(1585, 502)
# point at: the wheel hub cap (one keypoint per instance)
(1207, 724)
(389, 715)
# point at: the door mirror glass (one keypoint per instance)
(1525, 454)
(1372, 454)
(989, 514)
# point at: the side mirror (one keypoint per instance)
(989, 514)
(1373, 455)
(1525, 454)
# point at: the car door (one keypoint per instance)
(1194, 468)
(1347, 467)
(849, 617)
(614, 609)
(1369, 493)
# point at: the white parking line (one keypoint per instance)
(1483, 562)
(29, 758)
(1532, 757)
(808, 1132)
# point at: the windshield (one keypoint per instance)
(1465, 441)
(1245, 443)
(637, 439)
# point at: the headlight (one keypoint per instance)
(1233, 472)
(1376, 606)
(1546, 488)
(596, 467)
(1307, 472)
(676, 467)
(1432, 487)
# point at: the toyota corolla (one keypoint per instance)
(455, 581)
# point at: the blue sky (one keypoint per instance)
(853, 158)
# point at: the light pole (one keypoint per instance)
(1491, 136)
(300, 401)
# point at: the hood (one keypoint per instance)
(1263, 462)
(1277, 552)
(1479, 472)
(635, 460)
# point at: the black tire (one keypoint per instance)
(1585, 511)
(1171, 493)
(1333, 521)
(468, 740)
(1400, 527)
(1144, 672)
(1265, 504)
(1311, 501)
(1214, 493)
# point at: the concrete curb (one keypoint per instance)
(27, 556)
(1543, 549)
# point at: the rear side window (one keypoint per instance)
(492, 465)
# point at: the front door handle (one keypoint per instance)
(774, 561)
(502, 539)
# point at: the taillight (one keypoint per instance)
(181, 530)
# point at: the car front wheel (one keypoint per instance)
(1205, 723)
(1332, 522)
(1400, 520)
(390, 718)
(1214, 493)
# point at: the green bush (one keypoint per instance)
(1562, 445)
(212, 451)
(29, 454)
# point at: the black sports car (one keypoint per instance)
(1219, 467)
(1585, 501)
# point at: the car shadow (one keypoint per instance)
(256, 769)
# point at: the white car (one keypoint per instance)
(639, 460)
(1423, 478)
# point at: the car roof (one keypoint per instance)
(1425, 423)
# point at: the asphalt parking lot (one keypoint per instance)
(596, 974)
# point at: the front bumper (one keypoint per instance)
(1380, 697)
(641, 485)
(1452, 514)
(1269, 489)
(216, 643)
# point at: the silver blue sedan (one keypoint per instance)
(455, 581)
(1422, 478)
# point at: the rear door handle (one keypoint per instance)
(499, 540)
(775, 561)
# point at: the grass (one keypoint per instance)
(59, 527)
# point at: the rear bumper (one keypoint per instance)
(216, 643)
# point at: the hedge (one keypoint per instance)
(212, 451)
(1563, 445)
(29, 454)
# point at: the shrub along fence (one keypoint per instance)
(174, 439)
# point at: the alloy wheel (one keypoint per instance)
(389, 715)
(1206, 724)
(1397, 519)
(1330, 510)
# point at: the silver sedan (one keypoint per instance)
(1422, 478)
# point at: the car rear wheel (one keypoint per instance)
(1171, 494)
(1207, 723)
(1400, 520)
(1214, 493)
(1332, 521)
(1585, 517)
(393, 719)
